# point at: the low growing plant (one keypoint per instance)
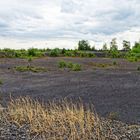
(76, 67)
(30, 68)
(70, 65)
(114, 63)
(62, 64)
(1, 82)
(138, 68)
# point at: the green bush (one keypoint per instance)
(132, 59)
(35, 52)
(138, 68)
(32, 52)
(114, 63)
(70, 65)
(114, 54)
(91, 55)
(134, 54)
(76, 67)
(55, 52)
(69, 54)
(62, 64)
(11, 53)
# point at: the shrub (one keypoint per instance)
(70, 65)
(114, 54)
(76, 67)
(132, 59)
(91, 55)
(55, 52)
(22, 68)
(32, 52)
(138, 68)
(62, 64)
(69, 53)
(63, 51)
(114, 63)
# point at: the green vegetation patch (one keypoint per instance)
(138, 68)
(70, 65)
(76, 67)
(101, 65)
(62, 64)
(1, 82)
(30, 68)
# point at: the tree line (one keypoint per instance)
(84, 45)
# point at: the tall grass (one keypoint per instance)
(61, 120)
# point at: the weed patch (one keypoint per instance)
(30, 68)
(61, 120)
(100, 65)
(70, 65)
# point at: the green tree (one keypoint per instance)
(113, 44)
(114, 53)
(93, 48)
(104, 48)
(83, 45)
(126, 45)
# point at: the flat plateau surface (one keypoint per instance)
(112, 88)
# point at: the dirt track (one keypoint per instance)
(111, 89)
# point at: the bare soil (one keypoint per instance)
(112, 88)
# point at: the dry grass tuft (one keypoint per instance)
(63, 120)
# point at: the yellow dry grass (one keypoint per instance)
(55, 121)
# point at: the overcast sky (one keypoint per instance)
(61, 23)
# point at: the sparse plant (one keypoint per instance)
(31, 68)
(61, 120)
(70, 65)
(76, 67)
(100, 65)
(114, 63)
(138, 68)
(62, 64)
(113, 116)
(29, 61)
